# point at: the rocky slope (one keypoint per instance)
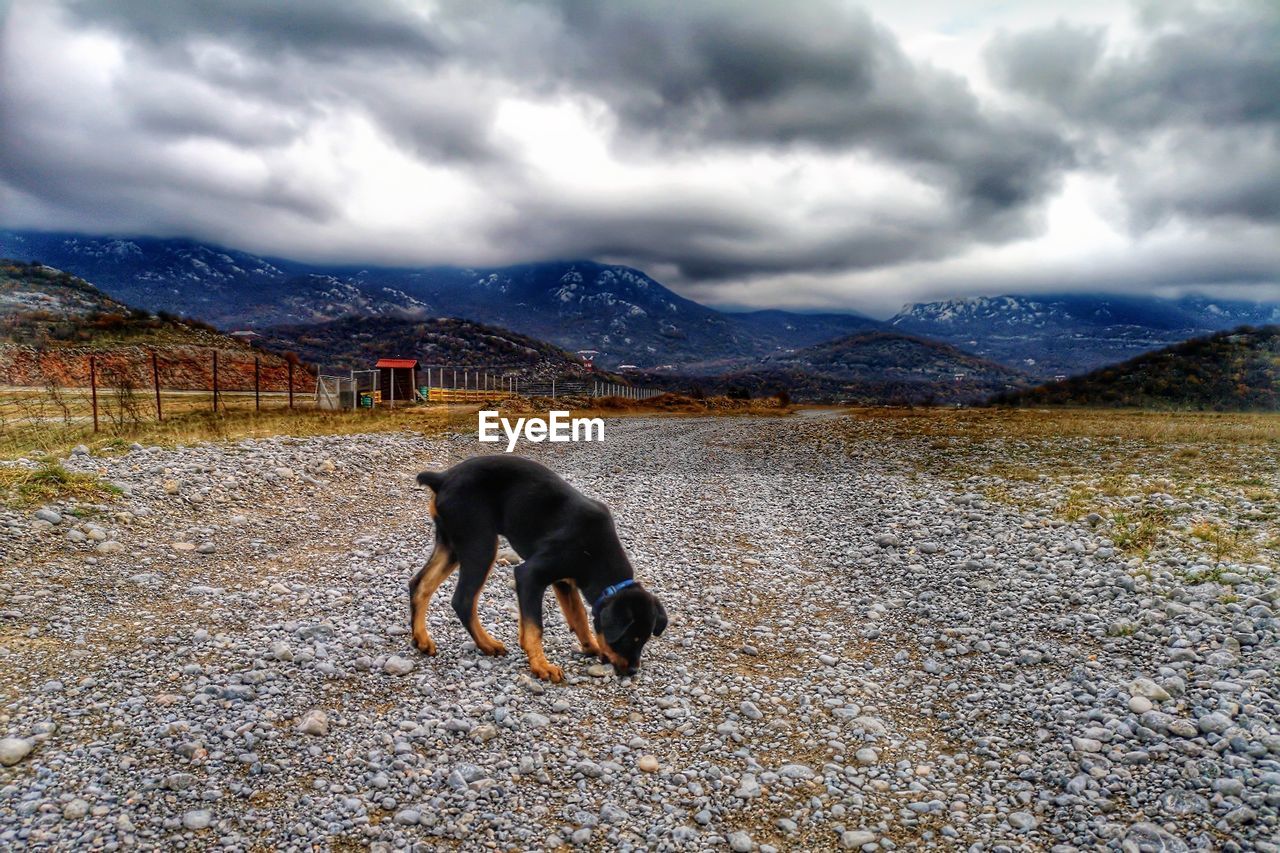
(358, 342)
(880, 366)
(1066, 334)
(51, 322)
(860, 656)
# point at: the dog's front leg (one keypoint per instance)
(575, 616)
(530, 590)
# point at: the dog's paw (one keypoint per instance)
(425, 644)
(496, 650)
(549, 672)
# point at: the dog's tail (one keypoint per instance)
(433, 479)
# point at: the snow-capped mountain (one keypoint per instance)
(620, 312)
(1073, 333)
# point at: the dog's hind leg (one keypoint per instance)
(424, 585)
(476, 560)
(575, 614)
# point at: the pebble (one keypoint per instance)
(396, 665)
(75, 810)
(314, 722)
(855, 839)
(14, 749)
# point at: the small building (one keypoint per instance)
(397, 379)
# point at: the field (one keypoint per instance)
(918, 629)
(37, 420)
(54, 420)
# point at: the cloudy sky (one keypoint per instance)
(805, 154)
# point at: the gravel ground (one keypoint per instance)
(859, 657)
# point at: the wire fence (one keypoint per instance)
(115, 390)
(448, 384)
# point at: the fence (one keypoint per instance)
(132, 385)
(447, 384)
(586, 388)
(68, 390)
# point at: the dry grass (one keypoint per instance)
(1224, 542)
(49, 483)
(1173, 451)
(1099, 424)
(193, 427)
(1077, 461)
(1138, 532)
(663, 404)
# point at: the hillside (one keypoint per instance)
(358, 342)
(52, 321)
(1229, 371)
(1049, 335)
(625, 315)
(786, 330)
(878, 366)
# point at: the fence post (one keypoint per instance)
(290, 363)
(215, 382)
(93, 389)
(155, 379)
(257, 400)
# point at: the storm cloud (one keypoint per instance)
(819, 154)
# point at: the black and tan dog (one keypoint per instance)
(568, 542)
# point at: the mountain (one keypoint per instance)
(52, 321)
(358, 342)
(876, 367)
(1237, 370)
(620, 312)
(1073, 333)
(786, 330)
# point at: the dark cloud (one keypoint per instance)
(716, 242)
(199, 126)
(1189, 123)
(319, 29)
(818, 74)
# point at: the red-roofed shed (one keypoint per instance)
(397, 379)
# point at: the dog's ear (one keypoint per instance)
(616, 628)
(660, 623)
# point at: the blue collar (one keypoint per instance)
(610, 591)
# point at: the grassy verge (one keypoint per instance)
(193, 427)
(48, 483)
(663, 404)
(1208, 483)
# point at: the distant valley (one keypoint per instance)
(544, 313)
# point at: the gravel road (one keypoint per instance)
(859, 657)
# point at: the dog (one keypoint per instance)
(568, 542)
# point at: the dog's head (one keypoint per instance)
(625, 623)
